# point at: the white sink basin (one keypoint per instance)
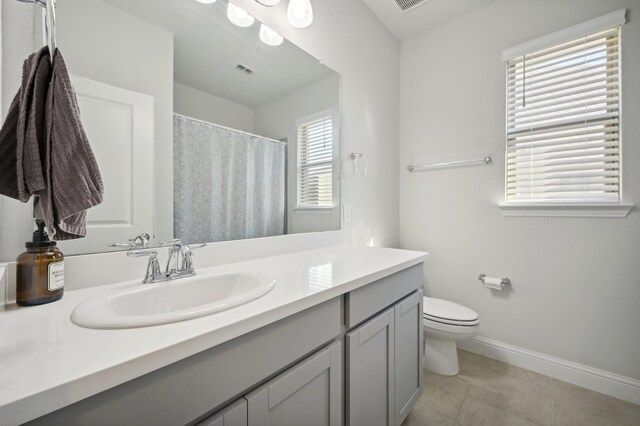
(140, 305)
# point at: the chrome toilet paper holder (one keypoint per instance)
(503, 282)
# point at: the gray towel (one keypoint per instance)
(22, 135)
(54, 159)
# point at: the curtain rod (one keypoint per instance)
(227, 128)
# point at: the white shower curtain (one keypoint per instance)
(228, 185)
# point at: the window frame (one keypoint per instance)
(565, 209)
(320, 209)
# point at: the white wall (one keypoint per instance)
(276, 119)
(576, 281)
(367, 57)
(195, 103)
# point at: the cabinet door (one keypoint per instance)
(408, 355)
(370, 372)
(308, 394)
(233, 415)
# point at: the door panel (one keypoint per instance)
(408, 355)
(119, 125)
(370, 372)
(308, 394)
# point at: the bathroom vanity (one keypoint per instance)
(337, 341)
(197, 148)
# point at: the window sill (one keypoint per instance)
(313, 210)
(565, 210)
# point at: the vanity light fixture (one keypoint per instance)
(268, 2)
(239, 16)
(270, 37)
(300, 13)
(206, 1)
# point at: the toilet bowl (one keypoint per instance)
(445, 323)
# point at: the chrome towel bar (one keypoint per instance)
(424, 167)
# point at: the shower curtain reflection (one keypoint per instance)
(228, 184)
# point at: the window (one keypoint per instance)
(563, 122)
(315, 161)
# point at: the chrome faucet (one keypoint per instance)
(179, 263)
(139, 242)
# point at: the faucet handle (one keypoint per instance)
(124, 245)
(170, 242)
(141, 241)
(153, 270)
(142, 253)
(153, 267)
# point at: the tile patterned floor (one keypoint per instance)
(491, 393)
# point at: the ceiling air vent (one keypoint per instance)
(407, 5)
(244, 69)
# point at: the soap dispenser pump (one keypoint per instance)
(39, 270)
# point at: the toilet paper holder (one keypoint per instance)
(503, 282)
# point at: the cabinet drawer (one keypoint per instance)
(367, 301)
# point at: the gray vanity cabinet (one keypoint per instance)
(384, 365)
(308, 394)
(380, 325)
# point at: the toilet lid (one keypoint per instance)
(446, 311)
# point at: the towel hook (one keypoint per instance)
(48, 24)
(356, 157)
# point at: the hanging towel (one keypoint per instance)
(22, 135)
(61, 169)
(73, 179)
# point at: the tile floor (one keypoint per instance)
(491, 393)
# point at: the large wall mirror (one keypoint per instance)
(203, 130)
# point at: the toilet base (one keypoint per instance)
(441, 356)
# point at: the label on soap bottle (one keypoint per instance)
(56, 276)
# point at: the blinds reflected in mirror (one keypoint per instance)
(315, 162)
(563, 122)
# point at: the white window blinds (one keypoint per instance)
(315, 162)
(563, 122)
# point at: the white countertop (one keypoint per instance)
(47, 362)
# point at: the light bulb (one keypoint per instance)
(300, 13)
(268, 2)
(270, 37)
(206, 1)
(239, 16)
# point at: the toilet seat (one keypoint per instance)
(444, 324)
(451, 322)
(450, 313)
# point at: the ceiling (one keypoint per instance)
(424, 17)
(207, 48)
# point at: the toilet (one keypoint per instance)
(445, 323)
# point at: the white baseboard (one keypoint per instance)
(611, 384)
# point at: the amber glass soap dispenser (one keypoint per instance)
(39, 270)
